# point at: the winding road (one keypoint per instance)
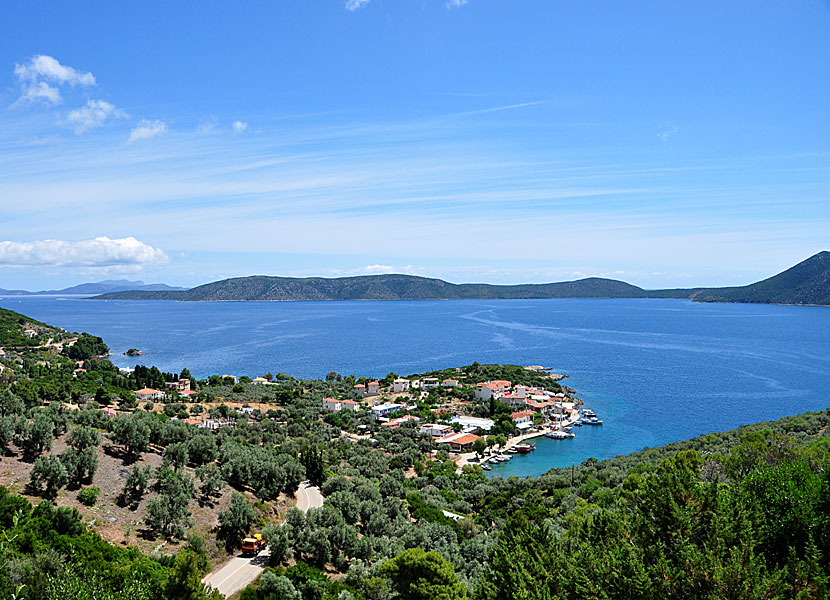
(239, 571)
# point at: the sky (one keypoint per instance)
(667, 144)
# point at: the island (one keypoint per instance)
(133, 352)
(806, 283)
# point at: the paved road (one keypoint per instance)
(238, 572)
(308, 496)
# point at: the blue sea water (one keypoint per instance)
(656, 371)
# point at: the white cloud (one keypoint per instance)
(354, 5)
(239, 126)
(40, 69)
(208, 125)
(666, 134)
(147, 129)
(99, 252)
(456, 3)
(93, 115)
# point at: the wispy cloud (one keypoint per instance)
(456, 3)
(239, 126)
(208, 125)
(147, 129)
(354, 5)
(41, 76)
(667, 133)
(93, 115)
(98, 252)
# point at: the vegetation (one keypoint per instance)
(739, 514)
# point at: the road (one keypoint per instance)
(238, 572)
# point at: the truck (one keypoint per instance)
(252, 545)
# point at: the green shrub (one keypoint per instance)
(88, 496)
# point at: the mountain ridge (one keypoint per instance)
(808, 282)
(99, 287)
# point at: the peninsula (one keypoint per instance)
(806, 283)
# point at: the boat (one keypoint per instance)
(525, 448)
(505, 457)
(486, 467)
(556, 435)
(511, 450)
(577, 423)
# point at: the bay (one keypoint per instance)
(656, 371)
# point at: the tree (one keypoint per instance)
(175, 455)
(102, 397)
(211, 478)
(168, 515)
(80, 465)
(83, 437)
(35, 436)
(136, 484)
(201, 448)
(185, 580)
(479, 446)
(237, 520)
(48, 476)
(130, 433)
(279, 541)
(420, 575)
(278, 586)
(86, 347)
(312, 460)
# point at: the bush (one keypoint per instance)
(88, 496)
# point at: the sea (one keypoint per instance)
(654, 370)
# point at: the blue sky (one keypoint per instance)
(665, 144)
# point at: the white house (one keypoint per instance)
(395, 423)
(400, 385)
(485, 391)
(337, 405)
(435, 429)
(373, 388)
(429, 383)
(473, 423)
(182, 385)
(514, 400)
(450, 383)
(459, 442)
(148, 394)
(381, 410)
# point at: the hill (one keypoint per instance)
(808, 282)
(20, 330)
(381, 287)
(100, 287)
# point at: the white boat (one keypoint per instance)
(558, 435)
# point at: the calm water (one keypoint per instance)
(655, 371)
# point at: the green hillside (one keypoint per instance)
(808, 282)
(381, 287)
(13, 327)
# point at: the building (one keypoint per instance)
(77, 372)
(485, 391)
(470, 424)
(395, 423)
(333, 405)
(514, 400)
(233, 377)
(182, 385)
(400, 385)
(436, 429)
(2, 353)
(523, 419)
(428, 383)
(189, 394)
(370, 389)
(30, 333)
(545, 409)
(260, 381)
(381, 410)
(450, 383)
(459, 442)
(126, 370)
(110, 412)
(148, 394)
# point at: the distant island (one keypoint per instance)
(806, 283)
(100, 287)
